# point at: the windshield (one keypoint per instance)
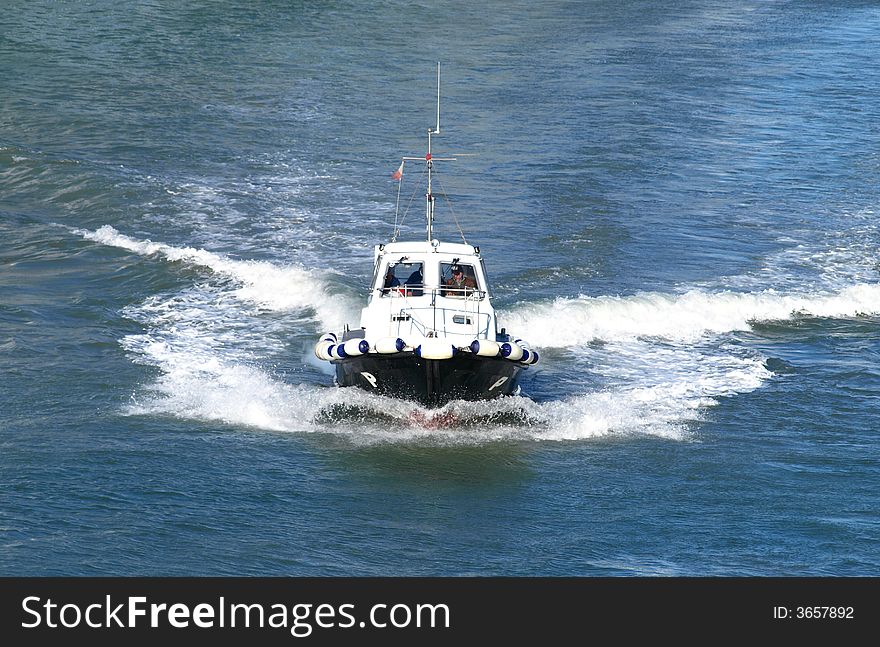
(403, 278)
(457, 280)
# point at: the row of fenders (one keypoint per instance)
(330, 348)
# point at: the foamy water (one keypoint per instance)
(261, 283)
(566, 321)
(662, 358)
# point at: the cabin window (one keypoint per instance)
(458, 280)
(403, 279)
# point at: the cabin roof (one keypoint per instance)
(424, 247)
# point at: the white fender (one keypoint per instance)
(355, 347)
(337, 352)
(485, 348)
(435, 348)
(511, 351)
(322, 349)
(388, 345)
(532, 358)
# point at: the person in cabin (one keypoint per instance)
(459, 284)
(391, 281)
(414, 283)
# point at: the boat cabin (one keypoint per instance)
(429, 289)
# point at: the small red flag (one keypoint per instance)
(398, 173)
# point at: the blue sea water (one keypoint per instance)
(678, 204)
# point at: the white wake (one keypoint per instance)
(264, 284)
(685, 317)
(657, 362)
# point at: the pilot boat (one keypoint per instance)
(429, 332)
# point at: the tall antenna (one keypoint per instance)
(429, 160)
(437, 131)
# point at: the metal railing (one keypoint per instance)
(417, 290)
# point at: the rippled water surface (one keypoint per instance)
(678, 205)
